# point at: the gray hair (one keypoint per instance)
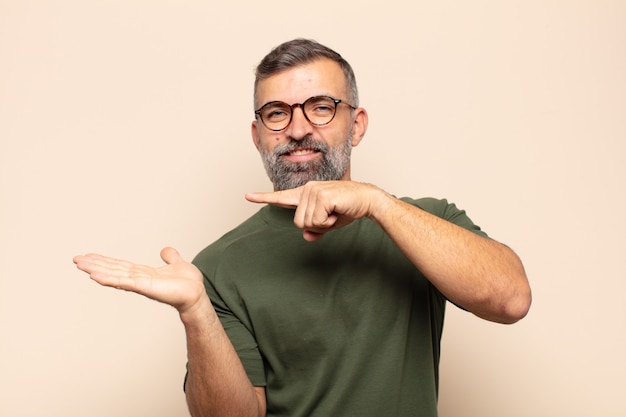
(299, 52)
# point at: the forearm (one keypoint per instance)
(217, 384)
(479, 274)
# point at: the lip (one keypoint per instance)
(301, 154)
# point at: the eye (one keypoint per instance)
(275, 112)
(321, 106)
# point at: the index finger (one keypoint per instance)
(286, 198)
(93, 262)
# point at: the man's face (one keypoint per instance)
(302, 152)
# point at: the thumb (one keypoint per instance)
(170, 255)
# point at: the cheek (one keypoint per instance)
(269, 142)
(337, 137)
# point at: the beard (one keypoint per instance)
(286, 175)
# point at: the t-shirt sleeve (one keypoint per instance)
(240, 335)
(447, 211)
(450, 212)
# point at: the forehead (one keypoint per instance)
(319, 77)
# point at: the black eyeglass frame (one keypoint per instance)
(337, 101)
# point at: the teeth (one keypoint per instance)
(302, 151)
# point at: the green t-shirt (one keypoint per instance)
(345, 326)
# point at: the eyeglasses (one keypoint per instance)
(318, 110)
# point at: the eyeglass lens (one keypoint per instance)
(318, 110)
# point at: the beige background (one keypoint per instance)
(124, 127)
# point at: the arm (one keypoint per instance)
(479, 274)
(216, 379)
(217, 384)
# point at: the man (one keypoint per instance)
(330, 300)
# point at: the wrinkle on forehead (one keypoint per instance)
(295, 85)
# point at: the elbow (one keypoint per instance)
(506, 306)
(515, 307)
(515, 298)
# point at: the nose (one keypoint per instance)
(299, 128)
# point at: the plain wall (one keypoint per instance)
(125, 127)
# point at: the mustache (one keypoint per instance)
(307, 142)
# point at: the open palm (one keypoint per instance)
(177, 283)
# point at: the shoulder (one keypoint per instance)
(446, 210)
(440, 207)
(211, 255)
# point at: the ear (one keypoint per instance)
(254, 130)
(359, 125)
